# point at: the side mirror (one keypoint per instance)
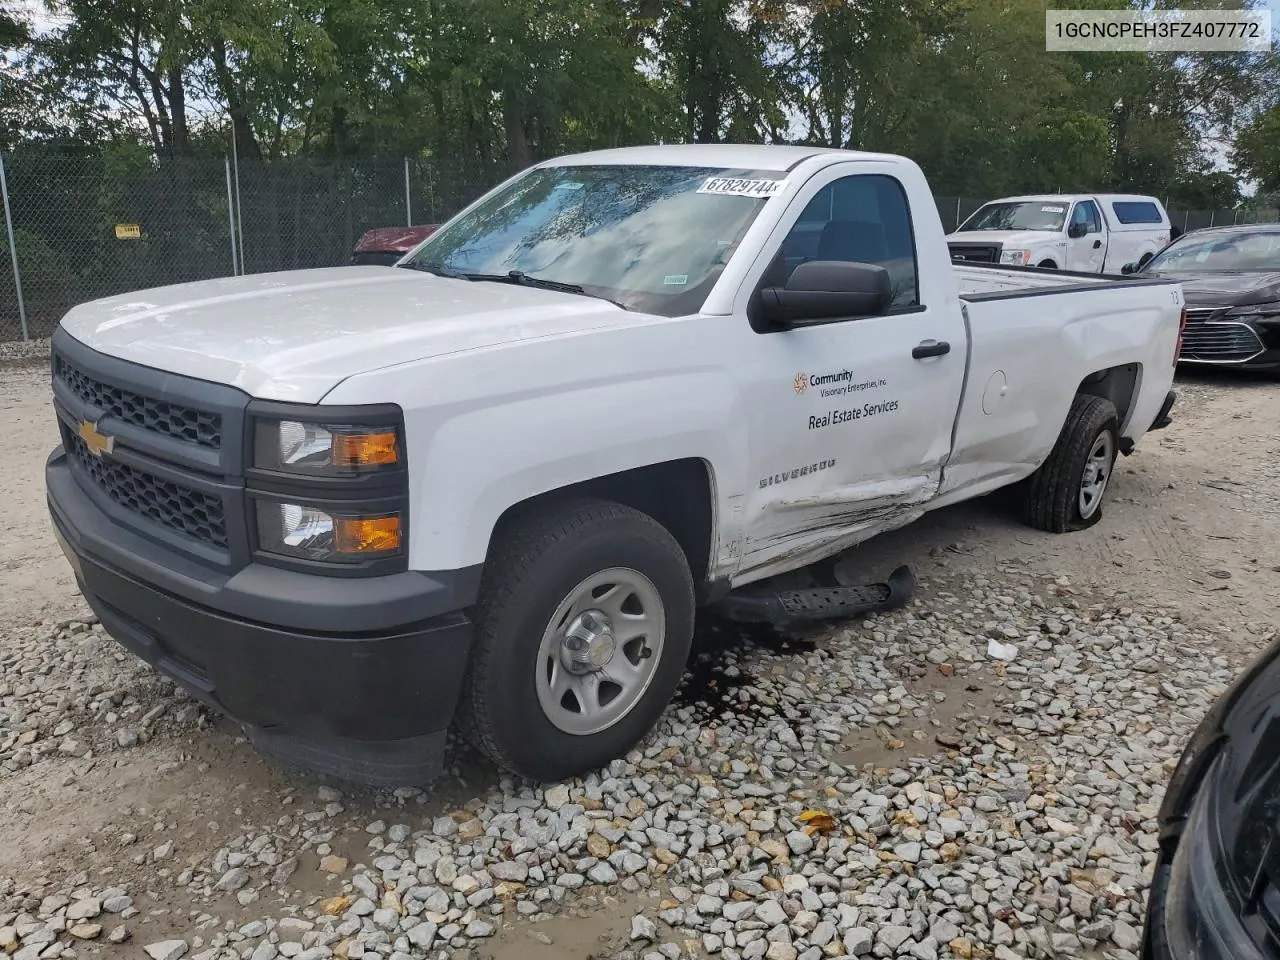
(1076, 230)
(824, 290)
(1130, 268)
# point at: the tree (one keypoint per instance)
(1256, 153)
(13, 29)
(125, 56)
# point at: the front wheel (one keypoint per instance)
(1066, 493)
(584, 625)
(1047, 265)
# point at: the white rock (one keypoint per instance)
(166, 949)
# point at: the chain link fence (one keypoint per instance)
(89, 227)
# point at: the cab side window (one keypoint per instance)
(858, 219)
(1086, 212)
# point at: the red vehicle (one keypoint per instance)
(386, 245)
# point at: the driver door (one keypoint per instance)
(1086, 253)
(849, 418)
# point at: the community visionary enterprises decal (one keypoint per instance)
(835, 384)
(840, 383)
(849, 414)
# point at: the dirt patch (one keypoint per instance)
(595, 928)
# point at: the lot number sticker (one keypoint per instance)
(732, 187)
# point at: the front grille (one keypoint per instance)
(1217, 342)
(159, 416)
(1201, 314)
(178, 507)
(975, 252)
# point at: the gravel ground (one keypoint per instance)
(24, 352)
(884, 788)
(1024, 827)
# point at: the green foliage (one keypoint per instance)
(483, 87)
(1257, 151)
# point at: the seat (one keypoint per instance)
(853, 241)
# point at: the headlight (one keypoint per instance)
(291, 446)
(310, 533)
(1255, 310)
(1017, 258)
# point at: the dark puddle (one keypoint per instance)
(716, 684)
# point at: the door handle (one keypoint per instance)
(930, 348)
(1097, 244)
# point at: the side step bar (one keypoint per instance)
(757, 603)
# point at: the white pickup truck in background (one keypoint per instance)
(496, 479)
(1087, 234)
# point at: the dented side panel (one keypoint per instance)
(800, 531)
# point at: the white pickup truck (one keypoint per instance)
(496, 479)
(1090, 234)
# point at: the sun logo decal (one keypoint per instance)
(801, 382)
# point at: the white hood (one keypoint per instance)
(297, 335)
(1010, 239)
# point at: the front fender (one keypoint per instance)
(488, 430)
(482, 462)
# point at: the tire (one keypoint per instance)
(1155, 940)
(519, 667)
(1047, 265)
(1054, 495)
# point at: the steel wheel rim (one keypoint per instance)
(1097, 472)
(600, 651)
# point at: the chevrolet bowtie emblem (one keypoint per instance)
(98, 443)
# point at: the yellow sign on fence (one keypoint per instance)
(128, 231)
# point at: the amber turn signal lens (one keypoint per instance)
(366, 534)
(365, 449)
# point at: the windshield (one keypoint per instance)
(1030, 215)
(1246, 251)
(651, 238)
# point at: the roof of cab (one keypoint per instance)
(725, 155)
(1073, 197)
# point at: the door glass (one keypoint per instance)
(1086, 212)
(859, 219)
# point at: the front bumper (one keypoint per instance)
(1189, 916)
(358, 677)
(1217, 831)
(1266, 360)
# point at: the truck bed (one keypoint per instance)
(1026, 358)
(979, 282)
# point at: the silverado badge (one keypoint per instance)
(98, 443)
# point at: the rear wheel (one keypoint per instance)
(1067, 492)
(584, 625)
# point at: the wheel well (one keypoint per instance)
(1117, 384)
(1145, 257)
(1047, 264)
(677, 494)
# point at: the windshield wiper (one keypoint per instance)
(520, 278)
(428, 268)
(517, 277)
